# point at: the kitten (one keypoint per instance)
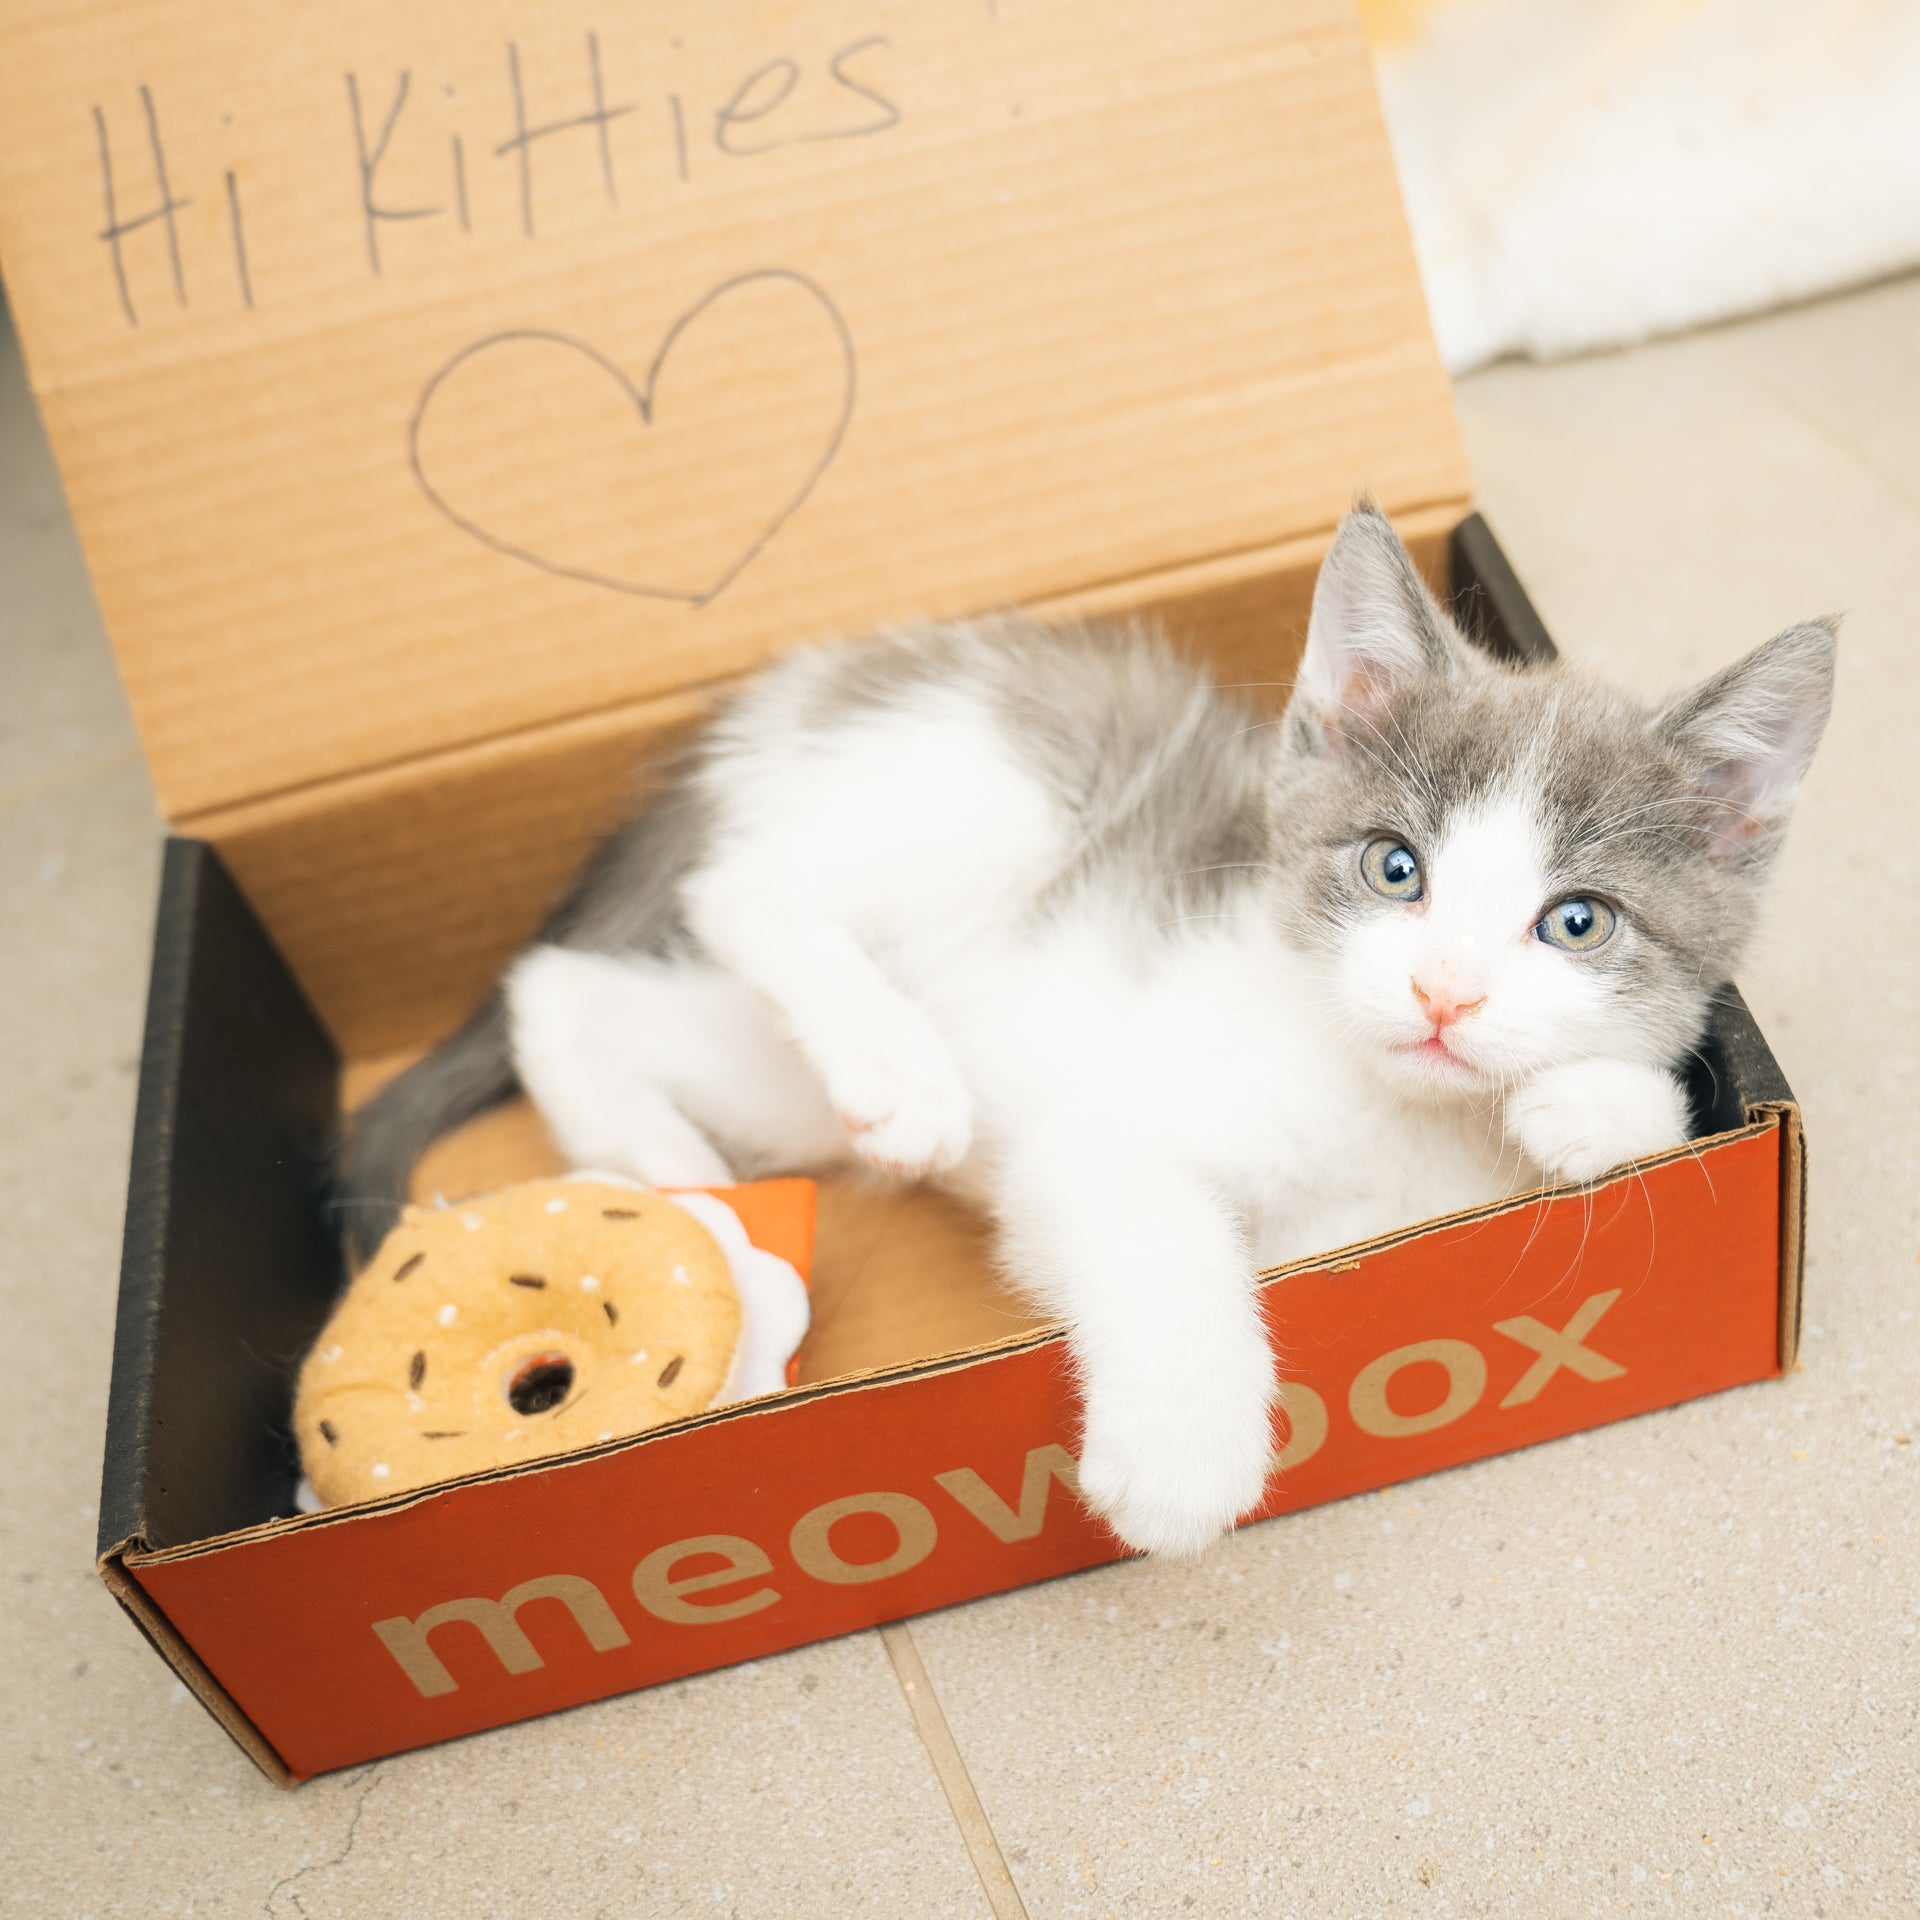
(1175, 994)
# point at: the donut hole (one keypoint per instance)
(539, 1383)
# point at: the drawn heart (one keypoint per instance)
(541, 447)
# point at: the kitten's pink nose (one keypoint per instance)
(1444, 1002)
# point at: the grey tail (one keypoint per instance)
(466, 1074)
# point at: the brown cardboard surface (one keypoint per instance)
(522, 364)
(508, 1144)
(398, 895)
(900, 1277)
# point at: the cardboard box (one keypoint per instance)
(451, 401)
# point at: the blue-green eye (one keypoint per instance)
(1390, 868)
(1577, 925)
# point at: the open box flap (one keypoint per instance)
(418, 379)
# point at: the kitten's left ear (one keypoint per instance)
(1750, 732)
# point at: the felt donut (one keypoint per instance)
(534, 1321)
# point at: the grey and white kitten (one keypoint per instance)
(1042, 914)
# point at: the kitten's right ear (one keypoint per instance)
(1374, 627)
(1749, 733)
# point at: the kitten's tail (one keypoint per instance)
(466, 1074)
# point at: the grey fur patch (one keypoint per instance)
(626, 899)
(1162, 776)
(466, 1074)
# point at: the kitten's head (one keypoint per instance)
(1504, 869)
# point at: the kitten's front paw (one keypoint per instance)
(1577, 1121)
(1172, 1471)
(901, 1099)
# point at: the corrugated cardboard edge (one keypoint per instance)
(143, 1242)
(860, 1380)
(1793, 1225)
(1488, 599)
(161, 1635)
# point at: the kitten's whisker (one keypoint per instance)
(1543, 1205)
(1653, 1222)
(1181, 919)
(1225, 866)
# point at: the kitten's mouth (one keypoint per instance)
(1435, 1050)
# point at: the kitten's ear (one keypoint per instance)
(1749, 733)
(1374, 626)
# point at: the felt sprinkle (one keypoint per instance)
(611, 1311)
(441, 1433)
(682, 1278)
(329, 1433)
(634, 1358)
(380, 1469)
(556, 1205)
(407, 1265)
(619, 1213)
(448, 1314)
(514, 1435)
(525, 1280)
(472, 1222)
(415, 1404)
(331, 1355)
(671, 1371)
(589, 1283)
(603, 1436)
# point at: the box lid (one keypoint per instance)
(420, 375)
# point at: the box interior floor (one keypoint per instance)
(251, 1058)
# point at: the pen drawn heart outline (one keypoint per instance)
(642, 399)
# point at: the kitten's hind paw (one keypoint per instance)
(1578, 1121)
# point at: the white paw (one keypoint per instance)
(900, 1097)
(1171, 1471)
(1575, 1122)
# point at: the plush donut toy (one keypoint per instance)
(537, 1320)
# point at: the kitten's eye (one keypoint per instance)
(1390, 868)
(1577, 925)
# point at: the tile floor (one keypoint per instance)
(1668, 1667)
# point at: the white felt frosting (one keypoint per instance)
(774, 1308)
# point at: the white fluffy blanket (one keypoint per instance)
(1586, 173)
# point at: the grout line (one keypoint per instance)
(968, 1814)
